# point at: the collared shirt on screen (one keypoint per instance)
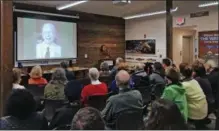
(54, 49)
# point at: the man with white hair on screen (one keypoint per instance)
(48, 47)
(126, 100)
(95, 88)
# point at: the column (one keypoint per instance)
(169, 28)
(6, 50)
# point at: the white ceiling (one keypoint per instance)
(108, 8)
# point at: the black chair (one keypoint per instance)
(146, 94)
(73, 90)
(51, 106)
(130, 120)
(36, 90)
(157, 90)
(97, 101)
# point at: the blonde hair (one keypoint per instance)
(211, 63)
(36, 72)
(16, 75)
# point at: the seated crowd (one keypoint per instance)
(115, 99)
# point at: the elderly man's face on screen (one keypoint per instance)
(48, 33)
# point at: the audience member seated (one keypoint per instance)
(64, 115)
(104, 69)
(148, 68)
(113, 88)
(73, 90)
(20, 113)
(197, 104)
(165, 115)
(213, 75)
(87, 118)
(36, 76)
(54, 90)
(199, 73)
(16, 78)
(95, 88)
(115, 68)
(158, 74)
(166, 63)
(69, 74)
(175, 92)
(140, 77)
(127, 99)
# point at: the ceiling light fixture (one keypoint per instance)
(208, 4)
(149, 14)
(71, 4)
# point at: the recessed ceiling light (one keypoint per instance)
(149, 14)
(71, 4)
(208, 4)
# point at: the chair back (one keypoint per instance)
(73, 90)
(130, 120)
(97, 101)
(51, 106)
(36, 90)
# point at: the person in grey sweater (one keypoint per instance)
(127, 99)
(158, 74)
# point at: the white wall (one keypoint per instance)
(156, 28)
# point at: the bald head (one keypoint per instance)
(140, 66)
(122, 79)
(94, 74)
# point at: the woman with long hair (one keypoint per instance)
(165, 115)
(55, 88)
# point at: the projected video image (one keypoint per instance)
(45, 39)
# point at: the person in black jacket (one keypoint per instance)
(69, 74)
(213, 76)
(21, 113)
(199, 74)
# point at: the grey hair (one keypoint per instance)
(59, 77)
(119, 60)
(139, 66)
(122, 78)
(104, 66)
(94, 73)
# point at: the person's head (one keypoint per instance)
(148, 67)
(36, 72)
(58, 76)
(210, 65)
(48, 33)
(185, 70)
(87, 118)
(119, 60)
(198, 70)
(103, 48)
(16, 78)
(166, 63)
(140, 67)
(104, 66)
(122, 79)
(172, 76)
(165, 115)
(123, 66)
(20, 104)
(93, 74)
(64, 64)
